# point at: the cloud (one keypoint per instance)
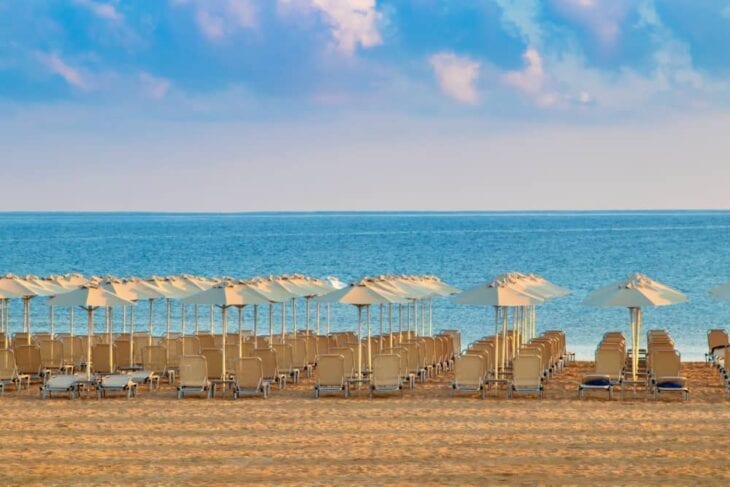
(533, 81)
(71, 75)
(602, 17)
(353, 23)
(102, 10)
(217, 19)
(522, 17)
(153, 86)
(456, 76)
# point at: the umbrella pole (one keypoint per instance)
(329, 308)
(318, 318)
(400, 323)
(294, 316)
(638, 341)
(423, 317)
(408, 320)
(505, 318)
(50, 319)
(124, 318)
(168, 307)
(255, 323)
(308, 306)
(195, 314)
(430, 317)
(26, 317)
(380, 337)
(359, 341)
(182, 318)
(211, 320)
(415, 318)
(390, 326)
(240, 331)
(271, 326)
(283, 322)
(496, 342)
(109, 338)
(131, 335)
(88, 342)
(224, 319)
(370, 352)
(152, 308)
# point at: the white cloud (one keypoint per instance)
(534, 82)
(353, 23)
(154, 86)
(217, 19)
(103, 10)
(71, 75)
(602, 17)
(456, 76)
(521, 15)
(209, 24)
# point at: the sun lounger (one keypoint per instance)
(527, 375)
(331, 375)
(60, 384)
(28, 360)
(469, 375)
(154, 366)
(100, 359)
(249, 379)
(717, 341)
(271, 366)
(193, 376)
(116, 383)
(9, 371)
(385, 375)
(665, 365)
(608, 372)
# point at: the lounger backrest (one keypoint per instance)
(386, 370)
(440, 346)
(154, 358)
(231, 356)
(206, 340)
(665, 363)
(414, 362)
(323, 344)
(8, 370)
(193, 370)
(28, 359)
(527, 371)
(610, 362)
(469, 370)
(429, 350)
(331, 370)
(311, 344)
(123, 348)
(100, 358)
(190, 345)
(73, 350)
(299, 352)
(248, 348)
(51, 354)
(284, 357)
(249, 373)
(140, 341)
(214, 359)
(173, 351)
(20, 338)
(349, 361)
(717, 338)
(403, 354)
(269, 360)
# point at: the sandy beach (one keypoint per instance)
(426, 437)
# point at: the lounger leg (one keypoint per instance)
(347, 389)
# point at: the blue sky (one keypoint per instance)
(362, 104)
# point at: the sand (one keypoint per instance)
(425, 437)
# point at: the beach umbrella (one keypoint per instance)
(90, 298)
(362, 296)
(440, 289)
(334, 283)
(249, 296)
(636, 292)
(14, 287)
(499, 294)
(276, 293)
(223, 295)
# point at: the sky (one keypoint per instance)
(267, 105)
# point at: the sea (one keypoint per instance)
(581, 251)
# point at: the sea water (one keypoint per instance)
(580, 251)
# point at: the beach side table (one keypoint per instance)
(226, 383)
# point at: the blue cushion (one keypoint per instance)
(597, 382)
(670, 385)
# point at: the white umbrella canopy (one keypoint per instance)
(90, 298)
(14, 287)
(635, 292)
(360, 294)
